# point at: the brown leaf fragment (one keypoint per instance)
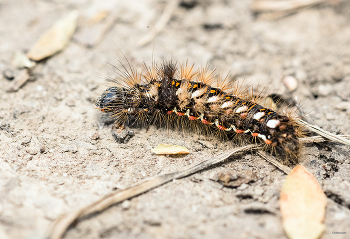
(20, 79)
(170, 149)
(302, 204)
(55, 39)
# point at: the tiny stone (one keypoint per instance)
(126, 205)
(70, 103)
(8, 74)
(39, 88)
(95, 136)
(32, 151)
(243, 186)
(345, 106)
(291, 82)
(324, 90)
(42, 148)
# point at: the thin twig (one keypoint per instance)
(60, 226)
(319, 139)
(274, 161)
(324, 133)
(281, 6)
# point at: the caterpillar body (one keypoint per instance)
(189, 94)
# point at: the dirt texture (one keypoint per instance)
(57, 154)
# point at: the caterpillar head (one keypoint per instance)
(118, 100)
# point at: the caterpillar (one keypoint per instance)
(166, 91)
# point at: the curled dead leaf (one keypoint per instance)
(302, 204)
(170, 149)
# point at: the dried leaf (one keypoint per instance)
(20, 60)
(54, 39)
(302, 204)
(170, 149)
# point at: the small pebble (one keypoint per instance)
(343, 106)
(126, 205)
(42, 148)
(32, 151)
(8, 74)
(291, 82)
(243, 186)
(70, 103)
(95, 136)
(324, 90)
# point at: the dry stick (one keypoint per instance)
(274, 161)
(280, 6)
(161, 23)
(272, 10)
(60, 226)
(323, 133)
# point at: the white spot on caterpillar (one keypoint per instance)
(216, 122)
(242, 109)
(273, 123)
(187, 112)
(258, 115)
(213, 99)
(201, 116)
(178, 91)
(263, 137)
(227, 104)
(198, 93)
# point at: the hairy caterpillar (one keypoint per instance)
(185, 93)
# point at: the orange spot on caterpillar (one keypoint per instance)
(192, 117)
(180, 114)
(221, 127)
(239, 131)
(212, 91)
(189, 85)
(177, 84)
(169, 112)
(268, 141)
(255, 134)
(228, 97)
(172, 82)
(195, 86)
(205, 121)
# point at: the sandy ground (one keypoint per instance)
(52, 163)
